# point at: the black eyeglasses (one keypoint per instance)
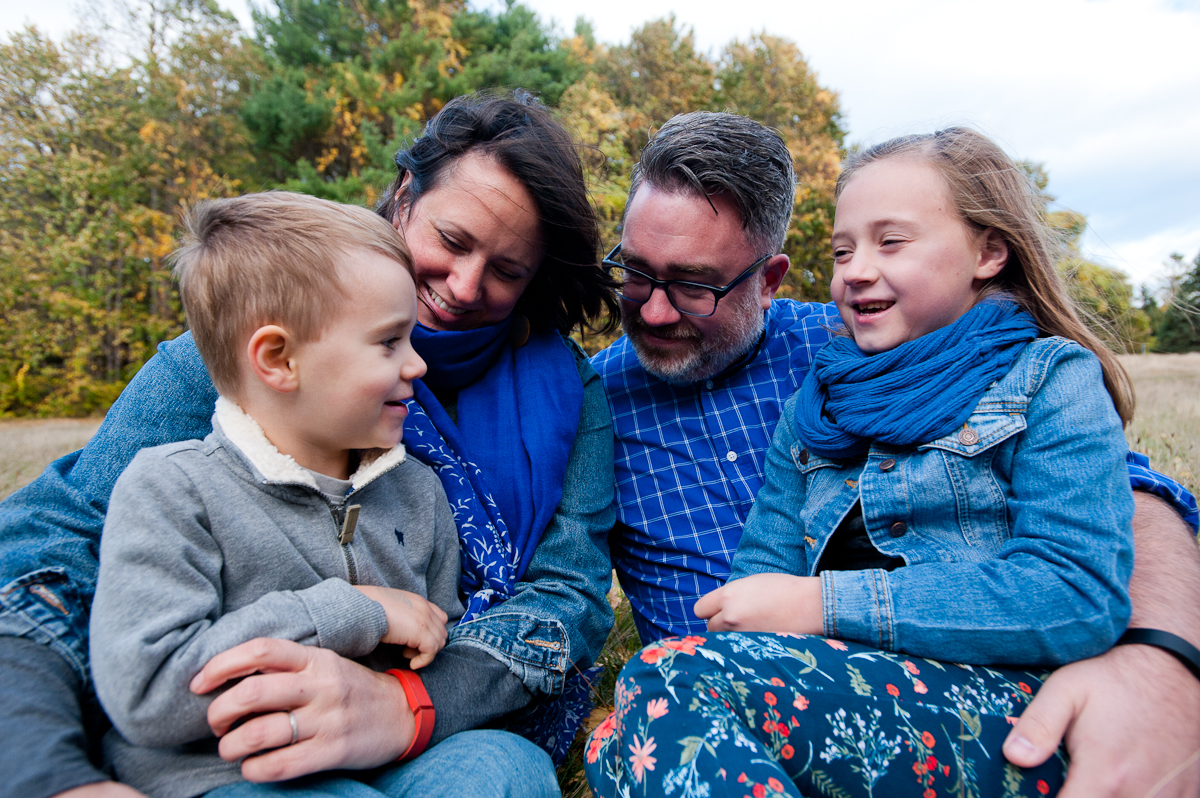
(693, 299)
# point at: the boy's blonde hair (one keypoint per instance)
(989, 190)
(271, 258)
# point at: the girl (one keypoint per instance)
(949, 482)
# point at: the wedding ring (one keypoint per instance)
(295, 728)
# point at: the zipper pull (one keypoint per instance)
(347, 535)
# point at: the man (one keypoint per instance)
(696, 387)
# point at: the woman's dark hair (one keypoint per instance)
(518, 133)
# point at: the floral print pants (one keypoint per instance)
(736, 714)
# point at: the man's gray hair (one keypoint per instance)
(733, 156)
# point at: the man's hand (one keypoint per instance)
(347, 716)
(101, 789)
(1130, 718)
(413, 622)
(765, 603)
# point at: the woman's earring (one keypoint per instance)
(518, 334)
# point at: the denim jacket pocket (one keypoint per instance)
(982, 431)
(806, 460)
(536, 650)
(42, 606)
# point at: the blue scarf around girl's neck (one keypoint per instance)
(915, 393)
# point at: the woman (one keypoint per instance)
(492, 202)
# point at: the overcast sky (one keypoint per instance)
(1105, 92)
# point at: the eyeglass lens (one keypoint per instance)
(693, 300)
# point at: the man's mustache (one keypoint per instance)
(680, 330)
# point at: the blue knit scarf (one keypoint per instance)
(504, 462)
(917, 392)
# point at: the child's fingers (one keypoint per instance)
(709, 604)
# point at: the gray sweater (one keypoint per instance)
(211, 543)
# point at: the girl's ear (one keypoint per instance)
(272, 355)
(993, 254)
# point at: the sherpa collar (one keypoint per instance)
(276, 467)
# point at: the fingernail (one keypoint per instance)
(1017, 744)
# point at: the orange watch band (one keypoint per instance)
(422, 709)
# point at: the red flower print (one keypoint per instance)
(1024, 687)
(769, 698)
(893, 691)
(651, 656)
(605, 729)
(930, 763)
(1043, 787)
(801, 703)
(742, 778)
(929, 793)
(918, 768)
(787, 752)
(593, 751)
(927, 739)
(768, 725)
(775, 680)
(920, 687)
(759, 791)
(775, 784)
(908, 666)
(837, 645)
(795, 723)
(946, 769)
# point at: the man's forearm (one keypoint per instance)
(1166, 575)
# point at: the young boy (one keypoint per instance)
(299, 517)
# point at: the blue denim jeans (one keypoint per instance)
(484, 763)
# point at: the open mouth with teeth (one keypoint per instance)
(871, 308)
(436, 299)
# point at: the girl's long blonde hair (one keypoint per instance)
(989, 190)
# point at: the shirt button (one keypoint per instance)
(898, 529)
(731, 456)
(888, 465)
(708, 384)
(804, 457)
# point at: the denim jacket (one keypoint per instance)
(1016, 530)
(50, 532)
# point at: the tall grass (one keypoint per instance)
(1166, 424)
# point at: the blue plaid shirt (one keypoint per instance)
(689, 461)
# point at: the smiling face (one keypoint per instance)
(476, 244)
(355, 378)
(675, 235)
(905, 264)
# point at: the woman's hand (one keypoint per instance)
(347, 716)
(765, 603)
(413, 622)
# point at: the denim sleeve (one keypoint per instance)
(1057, 590)
(50, 529)
(560, 615)
(1143, 477)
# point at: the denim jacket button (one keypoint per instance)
(804, 457)
(888, 465)
(968, 436)
(898, 529)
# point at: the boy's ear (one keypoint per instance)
(993, 254)
(271, 352)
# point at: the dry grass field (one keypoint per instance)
(1166, 427)
(26, 447)
(1166, 424)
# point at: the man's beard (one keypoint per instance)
(705, 356)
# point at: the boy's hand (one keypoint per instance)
(413, 622)
(765, 603)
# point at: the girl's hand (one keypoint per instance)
(765, 603)
(347, 716)
(413, 622)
